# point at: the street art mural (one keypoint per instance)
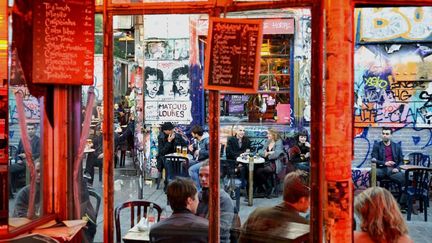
(394, 24)
(392, 82)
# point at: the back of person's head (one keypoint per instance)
(274, 133)
(295, 186)
(197, 130)
(178, 191)
(380, 215)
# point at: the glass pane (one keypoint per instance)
(20, 171)
(91, 180)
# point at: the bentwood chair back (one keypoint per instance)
(419, 159)
(417, 185)
(138, 209)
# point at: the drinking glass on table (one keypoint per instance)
(184, 151)
(178, 149)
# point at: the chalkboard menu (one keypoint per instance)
(233, 55)
(63, 41)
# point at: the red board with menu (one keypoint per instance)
(233, 55)
(63, 41)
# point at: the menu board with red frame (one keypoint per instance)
(233, 55)
(63, 41)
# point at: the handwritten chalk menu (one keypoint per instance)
(233, 55)
(63, 41)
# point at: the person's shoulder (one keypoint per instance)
(405, 239)
(362, 237)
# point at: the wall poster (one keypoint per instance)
(166, 81)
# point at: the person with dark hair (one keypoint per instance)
(388, 157)
(168, 140)
(381, 220)
(183, 225)
(301, 158)
(226, 204)
(200, 151)
(153, 78)
(271, 224)
(94, 158)
(180, 76)
(19, 167)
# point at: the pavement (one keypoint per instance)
(126, 188)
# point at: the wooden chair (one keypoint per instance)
(98, 199)
(138, 209)
(175, 166)
(417, 185)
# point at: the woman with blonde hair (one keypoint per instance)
(270, 152)
(381, 219)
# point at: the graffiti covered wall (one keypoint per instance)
(393, 81)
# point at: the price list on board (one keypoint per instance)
(234, 54)
(63, 42)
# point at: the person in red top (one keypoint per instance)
(388, 157)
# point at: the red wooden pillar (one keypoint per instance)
(214, 204)
(338, 120)
(108, 126)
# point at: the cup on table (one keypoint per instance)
(178, 149)
(184, 151)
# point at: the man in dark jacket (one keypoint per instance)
(388, 157)
(183, 225)
(19, 167)
(272, 224)
(168, 140)
(237, 145)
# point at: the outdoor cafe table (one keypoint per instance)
(246, 159)
(134, 235)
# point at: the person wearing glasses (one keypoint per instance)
(388, 156)
(271, 224)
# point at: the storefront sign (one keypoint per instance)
(233, 55)
(278, 26)
(63, 42)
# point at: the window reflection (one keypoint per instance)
(24, 204)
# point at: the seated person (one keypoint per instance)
(270, 224)
(168, 140)
(237, 145)
(183, 225)
(19, 167)
(301, 152)
(271, 152)
(22, 199)
(95, 158)
(226, 204)
(388, 156)
(200, 151)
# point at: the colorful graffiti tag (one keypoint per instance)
(393, 84)
(394, 24)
